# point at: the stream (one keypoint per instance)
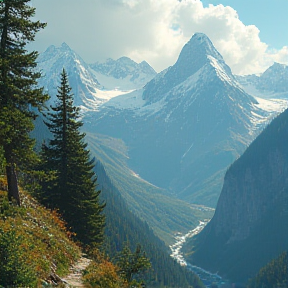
(207, 278)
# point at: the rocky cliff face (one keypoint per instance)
(248, 194)
(249, 227)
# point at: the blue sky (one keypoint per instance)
(270, 16)
(250, 35)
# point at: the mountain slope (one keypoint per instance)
(34, 244)
(249, 227)
(83, 82)
(274, 274)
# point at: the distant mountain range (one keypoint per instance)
(272, 83)
(181, 128)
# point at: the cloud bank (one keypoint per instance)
(152, 30)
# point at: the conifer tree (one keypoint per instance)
(131, 264)
(72, 185)
(18, 87)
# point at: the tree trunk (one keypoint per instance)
(13, 191)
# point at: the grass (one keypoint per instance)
(34, 242)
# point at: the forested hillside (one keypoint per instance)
(122, 226)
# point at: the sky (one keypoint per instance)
(250, 35)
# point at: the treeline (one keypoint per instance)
(122, 227)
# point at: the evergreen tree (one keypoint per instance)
(71, 187)
(131, 264)
(18, 91)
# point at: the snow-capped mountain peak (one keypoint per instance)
(83, 82)
(65, 46)
(95, 84)
(276, 75)
(198, 47)
(198, 53)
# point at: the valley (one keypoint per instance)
(166, 140)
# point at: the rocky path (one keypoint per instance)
(74, 278)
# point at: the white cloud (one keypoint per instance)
(152, 30)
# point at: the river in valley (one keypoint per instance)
(207, 278)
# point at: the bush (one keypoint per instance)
(102, 273)
(14, 270)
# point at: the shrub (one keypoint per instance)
(102, 273)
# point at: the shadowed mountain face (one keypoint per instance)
(249, 227)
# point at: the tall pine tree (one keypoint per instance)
(18, 87)
(72, 185)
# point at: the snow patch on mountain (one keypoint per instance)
(221, 71)
(272, 105)
(131, 101)
(264, 111)
(123, 74)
